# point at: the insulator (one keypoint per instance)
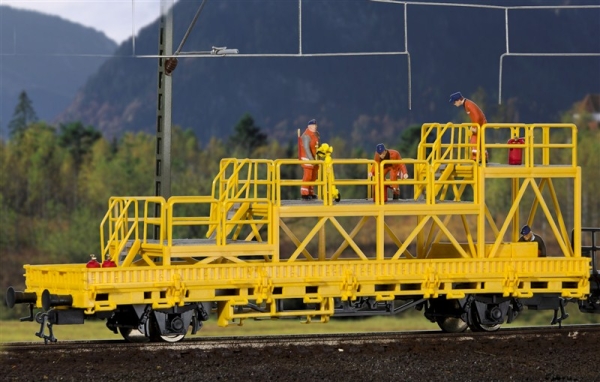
(170, 65)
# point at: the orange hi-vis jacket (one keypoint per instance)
(478, 117)
(474, 112)
(396, 168)
(314, 143)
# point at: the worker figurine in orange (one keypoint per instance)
(308, 143)
(396, 170)
(476, 116)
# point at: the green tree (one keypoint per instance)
(78, 140)
(247, 137)
(23, 116)
(129, 171)
(32, 168)
(8, 224)
(409, 141)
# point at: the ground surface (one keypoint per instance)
(557, 355)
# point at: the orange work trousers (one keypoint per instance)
(393, 177)
(310, 175)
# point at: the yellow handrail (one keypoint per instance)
(122, 227)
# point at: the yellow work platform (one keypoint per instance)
(249, 243)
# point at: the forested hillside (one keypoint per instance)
(365, 99)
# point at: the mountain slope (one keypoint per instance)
(48, 57)
(362, 98)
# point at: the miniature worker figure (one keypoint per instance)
(396, 170)
(307, 150)
(476, 116)
(528, 235)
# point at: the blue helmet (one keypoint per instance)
(380, 148)
(525, 230)
(455, 97)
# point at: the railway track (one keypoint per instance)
(534, 353)
(344, 339)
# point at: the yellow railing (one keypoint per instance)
(440, 144)
(457, 176)
(219, 183)
(238, 176)
(175, 221)
(122, 223)
(540, 146)
(417, 181)
(281, 166)
(447, 142)
(328, 179)
(543, 144)
(426, 182)
(115, 223)
(248, 218)
(232, 186)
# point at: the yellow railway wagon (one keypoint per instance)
(247, 251)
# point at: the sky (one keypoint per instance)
(118, 19)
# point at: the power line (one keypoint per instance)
(301, 53)
(507, 52)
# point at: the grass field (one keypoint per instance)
(15, 331)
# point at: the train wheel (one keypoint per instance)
(155, 335)
(452, 324)
(133, 335)
(172, 338)
(477, 326)
(447, 315)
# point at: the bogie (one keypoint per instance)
(169, 325)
